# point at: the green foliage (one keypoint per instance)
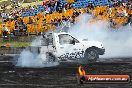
(16, 44)
(6, 3)
(29, 1)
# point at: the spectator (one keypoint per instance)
(130, 20)
(59, 7)
(44, 22)
(5, 30)
(47, 10)
(31, 20)
(46, 2)
(75, 13)
(90, 6)
(20, 25)
(68, 6)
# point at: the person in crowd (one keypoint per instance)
(20, 25)
(46, 10)
(59, 6)
(129, 20)
(5, 30)
(31, 20)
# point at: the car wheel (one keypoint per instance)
(51, 57)
(91, 55)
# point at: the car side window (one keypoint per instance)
(66, 39)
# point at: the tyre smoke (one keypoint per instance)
(33, 60)
(117, 42)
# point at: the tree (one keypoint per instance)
(16, 3)
(4, 5)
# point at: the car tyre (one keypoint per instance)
(90, 56)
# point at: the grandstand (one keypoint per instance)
(48, 15)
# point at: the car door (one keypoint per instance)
(70, 48)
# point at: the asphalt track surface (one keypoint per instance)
(63, 75)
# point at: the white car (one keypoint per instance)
(64, 47)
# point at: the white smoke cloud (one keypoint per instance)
(34, 60)
(37, 41)
(116, 42)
